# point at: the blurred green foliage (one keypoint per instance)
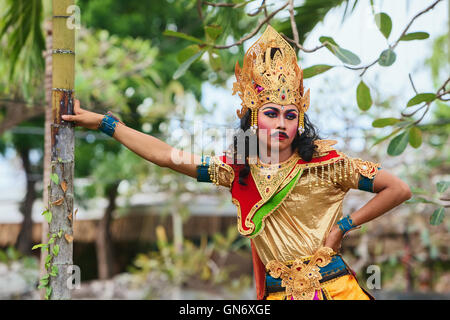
(191, 263)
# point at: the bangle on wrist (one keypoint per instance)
(108, 124)
(346, 224)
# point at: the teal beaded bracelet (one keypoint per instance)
(108, 124)
(346, 224)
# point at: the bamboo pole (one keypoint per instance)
(60, 195)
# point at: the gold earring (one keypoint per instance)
(254, 122)
(301, 126)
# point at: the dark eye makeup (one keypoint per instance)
(273, 113)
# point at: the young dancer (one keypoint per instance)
(288, 184)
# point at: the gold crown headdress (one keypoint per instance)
(270, 73)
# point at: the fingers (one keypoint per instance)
(67, 117)
(77, 109)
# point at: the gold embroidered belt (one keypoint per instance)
(301, 278)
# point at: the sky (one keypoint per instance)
(358, 34)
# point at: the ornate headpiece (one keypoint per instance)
(270, 73)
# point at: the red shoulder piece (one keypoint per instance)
(332, 154)
(244, 197)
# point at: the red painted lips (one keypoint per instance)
(280, 135)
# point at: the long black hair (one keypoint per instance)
(303, 144)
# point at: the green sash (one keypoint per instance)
(272, 204)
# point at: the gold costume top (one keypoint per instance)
(300, 224)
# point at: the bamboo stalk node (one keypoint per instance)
(63, 90)
(63, 51)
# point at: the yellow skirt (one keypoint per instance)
(342, 288)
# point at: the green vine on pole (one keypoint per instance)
(52, 271)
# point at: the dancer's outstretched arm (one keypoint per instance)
(144, 145)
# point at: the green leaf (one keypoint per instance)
(363, 97)
(52, 240)
(187, 52)
(42, 286)
(54, 177)
(346, 56)
(171, 33)
(315, 70)
(47, 215)
(55, 250)
(384, 23)
(60, 233)
(48, 292)
(386, 137)
(421, 97)
(415, 137)
(39, 246)
(328, 39)
(442, 186)
(24, 42)
(48, 258)
(215, 60)
(45, 277)
(384, 122)
(55, 271)
(437, 217)
(398, 144)
(185, 65)
(212, 32)
(387, 58)
(415, 36)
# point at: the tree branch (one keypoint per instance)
(392, 47)
(298, 45)
(255, 31)
(199, 9)
(261, 7)
(293, 24)
(412, 83)
(17, 112)
(412, 20)
(428, 104)
(223, 4)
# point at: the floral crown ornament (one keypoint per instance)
(270, 73)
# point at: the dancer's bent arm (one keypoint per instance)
(144, 145)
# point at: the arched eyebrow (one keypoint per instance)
(278, 110)
(273, 108)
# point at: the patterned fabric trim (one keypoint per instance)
(202, 171)
(365, 183)
(335, 269)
